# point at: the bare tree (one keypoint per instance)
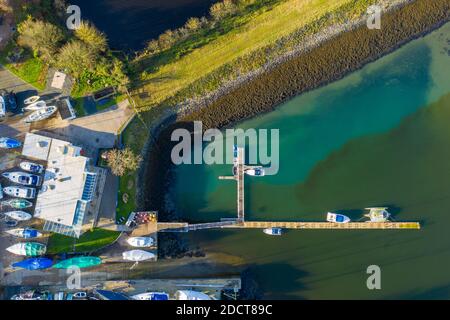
(121, 161)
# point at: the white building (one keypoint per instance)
(68, 185)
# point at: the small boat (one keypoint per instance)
(137, 255)
(29, 249)
(26, 233)
(18, 203)
(191, 295)
(140, 241)
(378, 214)
(34, 264)
(151, 296)
(80, 295)
(9, 143)
(2, 107)
(31, 167)
(29, 295)
(31, 99)
(256, 172)
(20, 192)
(273, 231)
(80, 262)
(24, 178)
(35, 106)
(337, 218)
(41, 114)
(18, 215)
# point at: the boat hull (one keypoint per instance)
(26, 233)
(137, 255)
(8, 143)
(34, 264)
(140, 242)
(28, 249)
(18, 215)
(80, 262)
(18, 203)
(31, 167)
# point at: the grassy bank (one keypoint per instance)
(89, 241)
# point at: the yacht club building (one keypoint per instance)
(69, 184)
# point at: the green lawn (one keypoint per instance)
(31, 69)
(112, 101)
(89, 241)
(124, 209)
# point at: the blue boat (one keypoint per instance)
(34, 264)
(9, 143)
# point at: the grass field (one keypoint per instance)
(89, 241)
(264, 28)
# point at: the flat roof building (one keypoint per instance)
(68, 185)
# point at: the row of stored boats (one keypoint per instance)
(39, 108)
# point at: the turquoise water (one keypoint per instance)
(378, 137)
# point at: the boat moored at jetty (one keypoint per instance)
(18, 215)
(80, 262)
(256, 172)
(137, 255)
(191, 295)
(9, 143)
(41, 114)
(151, 296)
(20, 192)
(24, 178)
(378, 214)
(34, 264)
(140, 241)
(26, 233)
(31, 167)
(28, 249)
(273, 231)
(337, 218)
(17, 203)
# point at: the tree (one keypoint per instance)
(222, 9)
(76, 57)
(90, 35)
(120, 161)
(193, 24)
(42, 37)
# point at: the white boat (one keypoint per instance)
(273, 231)
(31, 167)
(151, 296)
(41, 114)
(137, 255)
(80, 295)
(26, 233)
(29, 249)
(191, 295)
(2, 107)
(20, 192)
(255, 172)
(9, 143)
(140, 241)
(31, 99)
(378, 214)
(337, 218)
(35, 106)
(1, 192)
(24, 178)
(18, 215)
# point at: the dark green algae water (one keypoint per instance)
(378, 137)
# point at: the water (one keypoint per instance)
(378, 137)
(131, 24)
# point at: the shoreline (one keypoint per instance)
(236, 103)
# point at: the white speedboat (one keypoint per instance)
(378, 214)
(41, 114)
(24, 178)
(20, 192)
(137, 255)
(255, 172)
(151, 296)
(273, 231)
(31, 99)
(337, 218)
(35, 106)
(26, 233)
(29, 249)
(191, 295)
(31, 167)
(140, 241)
(18, 215)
